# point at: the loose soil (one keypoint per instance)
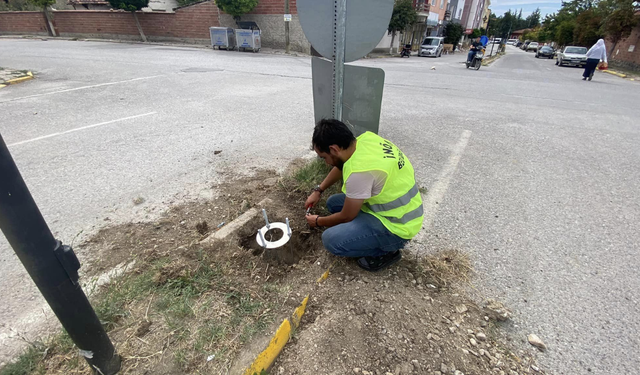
(189, 308)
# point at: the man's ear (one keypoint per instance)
(334, 150)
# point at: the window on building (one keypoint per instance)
(442, 4)
(434, 2)
(459, 13)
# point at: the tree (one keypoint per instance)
(403, 16)
(619, 24)
(587, 30)
(533, 20)
(132, 6)
(564, 33)
(475, 33)
(44, 5)
(236, 8)
(452, 33)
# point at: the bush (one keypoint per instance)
(452, 33)
(236, 8)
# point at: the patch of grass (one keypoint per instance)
(110, 304)
(446, 267)
(311, 174)
(27, 363)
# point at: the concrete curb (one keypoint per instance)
(267, 357)
(621, 75)
(236, 223)
(265, 360)
(26, 77)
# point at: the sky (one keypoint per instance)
(499, 7)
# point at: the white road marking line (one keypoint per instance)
(78, 129)
(80, 88)
(439, 188)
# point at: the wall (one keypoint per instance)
(188, 24)
(268, 14)
(23, 23)
(621, 55)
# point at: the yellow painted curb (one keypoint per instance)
(615, 73)
(268, 356)
(1, 86)
(21, 79)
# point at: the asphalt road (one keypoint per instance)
(544, 196)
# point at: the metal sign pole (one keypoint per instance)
(52, 266)
(339, 41)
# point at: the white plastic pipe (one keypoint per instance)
(266, 220)
(288, 227)
(264, 243)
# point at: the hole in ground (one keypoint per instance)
(302, 243)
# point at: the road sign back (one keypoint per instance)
(366, 23)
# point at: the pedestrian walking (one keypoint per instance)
(596, 53)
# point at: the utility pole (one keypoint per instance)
(53, 267)
(286, 27)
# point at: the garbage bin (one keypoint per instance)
(248, 36)
(222, 37)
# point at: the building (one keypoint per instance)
(486, 14)
(456, 7)
(472, 15)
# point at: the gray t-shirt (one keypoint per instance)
(364, 185)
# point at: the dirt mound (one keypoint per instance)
(394, 323)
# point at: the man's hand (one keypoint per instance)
(312, 200)
(312, 220)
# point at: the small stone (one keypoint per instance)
(497, 310)
(443, 368)
(535, 341)
(280, 370)
(458, 372)
(483, 324)
(364, 372)
(452, 329)
(481, 336)
(470, 332)
(356, 370)
(481, 352)
(461, 309)
(465, 351)
(473, 342)
(535, 368)
(429, 336)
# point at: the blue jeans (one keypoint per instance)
(470, 55)
(363, 236)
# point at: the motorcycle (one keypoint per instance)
(476, 62)
(406, 51)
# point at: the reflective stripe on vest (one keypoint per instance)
(403, 200)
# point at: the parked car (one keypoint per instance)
(525, 45)
(519, 43)
(545, 51)
(572, 55)
(512, 42)
(432, 46)
(533, 46)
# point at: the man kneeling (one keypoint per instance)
(380, 208)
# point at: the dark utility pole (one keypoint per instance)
(286, 28)
(52, 266)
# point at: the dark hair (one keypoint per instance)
(330, 132)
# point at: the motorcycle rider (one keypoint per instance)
(475, 47)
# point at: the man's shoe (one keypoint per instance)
(584, 78)
(374, 264)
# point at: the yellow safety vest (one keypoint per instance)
(399, 204)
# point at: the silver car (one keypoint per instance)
(432, 46)
(572, 55)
